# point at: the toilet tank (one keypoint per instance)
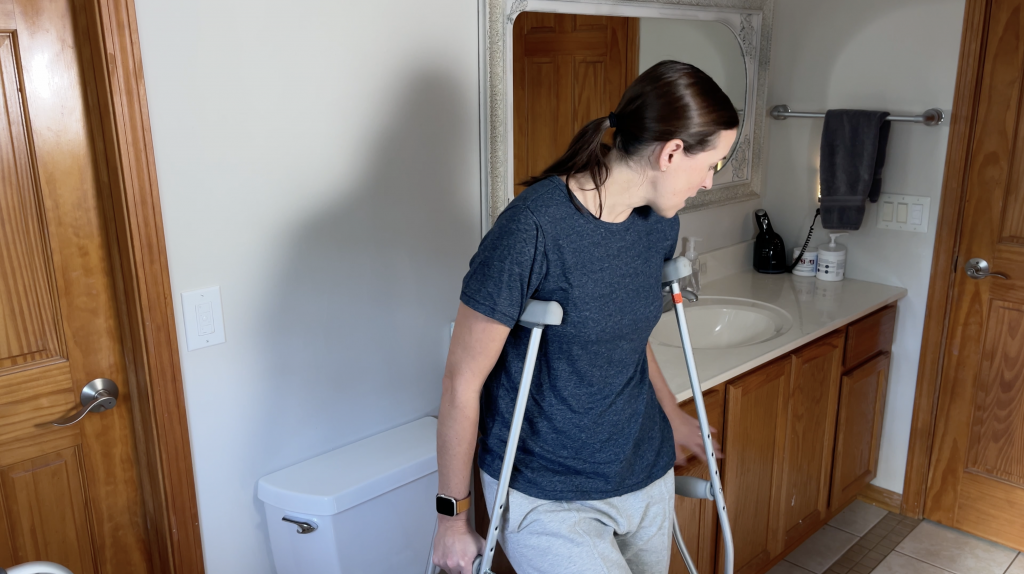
(371, 505)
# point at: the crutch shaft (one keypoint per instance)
(702, 416)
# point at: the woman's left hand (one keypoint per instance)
(686, 432)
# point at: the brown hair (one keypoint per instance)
(671, 100)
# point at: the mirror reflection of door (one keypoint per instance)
(568, 69)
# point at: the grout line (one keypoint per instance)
(1015, 557)
(923, 562)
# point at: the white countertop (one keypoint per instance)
(817, 308)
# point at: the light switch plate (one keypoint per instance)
(204, 321)
(903, 212)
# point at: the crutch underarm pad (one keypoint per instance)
(541, 313)
(675, 269)
(693, 487)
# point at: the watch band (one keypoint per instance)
(462, 505)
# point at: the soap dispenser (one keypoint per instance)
(693, 283)
(832, 260)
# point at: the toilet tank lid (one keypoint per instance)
(340, 479)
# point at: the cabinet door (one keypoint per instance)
(754, 437)
(861, 402)
(698, 519)
(810, 432)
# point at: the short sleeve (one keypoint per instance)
(672, 240)
(507, 268)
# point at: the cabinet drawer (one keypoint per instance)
(869, 336)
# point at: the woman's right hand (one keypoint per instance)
(456, 545)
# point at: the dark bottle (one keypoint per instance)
(769, 251)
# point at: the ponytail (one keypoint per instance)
(671, 100)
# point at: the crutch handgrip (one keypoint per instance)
(693, 487)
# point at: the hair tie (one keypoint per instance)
(611, 120)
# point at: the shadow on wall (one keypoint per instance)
(356, 332)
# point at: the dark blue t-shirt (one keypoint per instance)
(593, 427)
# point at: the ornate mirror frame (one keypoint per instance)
(749, 20)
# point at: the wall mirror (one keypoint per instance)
(551, 66)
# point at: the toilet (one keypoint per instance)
(363, 508)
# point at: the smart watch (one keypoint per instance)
(448, 506)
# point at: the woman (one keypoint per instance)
(592, 488)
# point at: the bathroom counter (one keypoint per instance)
(816, 307)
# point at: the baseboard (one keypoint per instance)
(882, 498)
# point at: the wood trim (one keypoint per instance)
(632, 50)
(944, 259)
(881, 497)
(139, 258)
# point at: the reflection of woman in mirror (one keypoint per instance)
(592, 489)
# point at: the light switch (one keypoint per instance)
(204, 320)
(916, 213)
(887, 210)
(901, 213)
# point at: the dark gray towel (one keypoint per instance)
(853, 146)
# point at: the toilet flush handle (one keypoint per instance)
(304, 527)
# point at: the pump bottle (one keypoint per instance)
(832, 260)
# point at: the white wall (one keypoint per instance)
(869, 54)
(319, 162)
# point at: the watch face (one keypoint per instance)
(445, 505)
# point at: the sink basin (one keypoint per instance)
(724, 323)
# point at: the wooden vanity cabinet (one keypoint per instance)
(698, 519)
(754, 441)
(810, 433)
(859, 431)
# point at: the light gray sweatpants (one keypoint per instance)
(628, 534)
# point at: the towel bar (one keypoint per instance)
(930, 117)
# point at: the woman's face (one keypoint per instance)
(679, 176)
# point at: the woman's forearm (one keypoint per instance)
(457, 423)
(477, 341)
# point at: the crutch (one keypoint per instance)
(536, 316)
(688, 486)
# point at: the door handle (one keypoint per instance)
(98, 396)
(978, 269)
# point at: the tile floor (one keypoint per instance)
(864, 539)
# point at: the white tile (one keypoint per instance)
(1018, 565)
(822, 549)
(858, 518)
(897, 563)
(956, 551)
(787, 568)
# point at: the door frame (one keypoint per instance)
(116, 93)
(945, 263)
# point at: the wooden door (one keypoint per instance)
(698, 519)
(754, 437)
(567, 69)
(976, 476)
(859, 430)
(810, 431)
(67, 494)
